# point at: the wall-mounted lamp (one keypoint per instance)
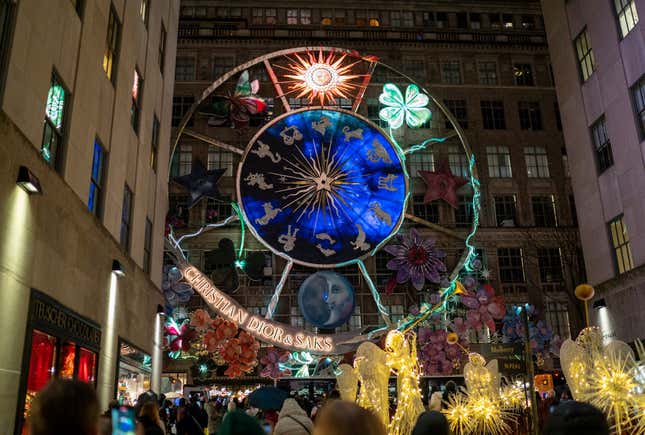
(117, 268)
(600, 303)
(28, 181)
(160, 309)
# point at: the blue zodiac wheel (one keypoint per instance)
(322, 187)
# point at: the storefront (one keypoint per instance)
(59, 343)
(135, 371)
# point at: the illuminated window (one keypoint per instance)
(126, 218)
(219, 159)
(421, 161)
(530, 115)
(270, 16)
(604, 155)
(135, 109)
(95, 199)
(147, 246)
(458, 110)
(429, 212)
(499, 162)
(505, 210)
(586, 60)
(493, 115)
(292, 16)
(360, 18)
(458, 161)
(154, 143)
(55, 117)
(620, 242)
(507, 19)
(464, 211)
(544, 211)
(326, 21)
(181, 105)
(527, 22)
(638, 91)
(523, 74)
(557, 317)
(339, 17)
(451, 72)
(537, 163)
(185, 69)
(550, 265)
(511, 265)
(374, 22)
(185, 159)
(162, 48)
(487, 73)
(111, 54)
(305, 16)
(144, 11)
(627, 15)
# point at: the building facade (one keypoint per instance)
(599, 63)
(486, 61)
(86, 107)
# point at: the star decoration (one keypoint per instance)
(485, 273)
(442, 184)
(201, 183)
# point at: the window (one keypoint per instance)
(462, 20)
(180, 105)
(421, 161)
(219, 159)
(355, 320)
(627, 15)
(475, 20)
(620, 242)
(414, 67)
(408, 19)
(493, 115)
(162, 48)
(185, 69)
(326, 19)
(574, 213)
(441, 19)
(55, 120)
(586, 60)
(429, 212)
(360, 18)
(305, 16)
(487, 73)
(395, 19)
(154, 143)
(222, 65)
(95, 199)
(218, 209)
(185, 159)
(558, 119)
(458, 110)
(530, 115)
(292, 16)
(297, 321)
(144, 11)
(557, 317)
(505, 213)
(126, 218)
(511, 267)
(135, 109)
(464, 211)
(499, 162)
(507, 19)
(451, 73)
(111, 54)
(374, 22)
(495, 22)
(458, 161)
(537, 163)
(604, 156)
(270, 16)
(544, 211)
(550, 265)
(528, 22)
(638, 91)
(523, 73)
(257, 16)
(147, 246)
(397, 312)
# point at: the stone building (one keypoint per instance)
(599, 62)
(85, 125)
(488, 62)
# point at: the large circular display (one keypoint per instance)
(326, 299)
(322, 187)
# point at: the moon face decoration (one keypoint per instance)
(326, 299)
(322, 187)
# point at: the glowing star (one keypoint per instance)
(323, 78)
(442, 185)
(412, 109)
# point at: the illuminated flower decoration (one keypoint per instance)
(416, 259)
(485, 307)
(250, 346)
(231, 351)
(226, 330)
(200, 319)
(211, 342)
(540, 334)
(178, 337)
(174, 289)
(411, 109)
(238, 108)
(436, 355)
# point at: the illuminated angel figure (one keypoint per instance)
(481, 379)
(347, 382)
(371, 365)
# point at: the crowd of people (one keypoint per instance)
(72, 408)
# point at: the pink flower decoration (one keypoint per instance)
(271, 362)
(200, 319)
(459, 325)
(485, 307)
(226, 330)
(210, 341)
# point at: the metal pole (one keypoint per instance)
(533, 426)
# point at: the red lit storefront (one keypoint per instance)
(59, 343)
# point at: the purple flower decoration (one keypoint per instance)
(416, 259)
(436, 356)
(485, 307)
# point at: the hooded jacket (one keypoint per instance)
(293, 420)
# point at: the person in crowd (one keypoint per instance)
(65, 407)
(187, 423)
(436, 401)
(450, 390)
(340, 417)
(238, 422)
(293, 420)
(215, 415)
(150, 420)
(573, 417)
(431, 423)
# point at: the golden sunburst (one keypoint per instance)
(323, 77)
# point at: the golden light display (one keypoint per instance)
(458, 414)
(322, 77)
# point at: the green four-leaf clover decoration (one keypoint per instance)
(412, 109)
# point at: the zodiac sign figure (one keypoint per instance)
(386, 182)
(325, 236)
(269, 214)
(288, 240)
(378, 152)
(258, 180)
(357, 134)
(290, 134)
(325, 252)
(360, 243)
(381, 214)
(322, 125)
(264, 151)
